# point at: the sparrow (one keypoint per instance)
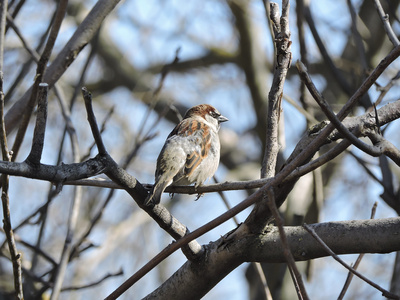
(191, 152)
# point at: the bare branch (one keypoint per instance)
(386, 24)
(284, 58)
(385, 293)
(15, 256)
(324, 52)
(72, 221)
(385, 147)
(92, 121)
(82, 36)
(97, 282)
(356, 236)
(294, 272)
(35, 155)
(35, 56)
(3, 15)
(40, 71)
(371, 150)
(357, 37)
(357, 263)
(68, 243)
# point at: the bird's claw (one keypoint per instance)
(198, 196)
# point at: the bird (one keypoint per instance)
(190, 153)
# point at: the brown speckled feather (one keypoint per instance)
(188, 128)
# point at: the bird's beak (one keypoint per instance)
(222, 119)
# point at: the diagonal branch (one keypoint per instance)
(350, 275)
(40, 71)
(386, 24)
(330, 114)
(82, 36)
(384, 146)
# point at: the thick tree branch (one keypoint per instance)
(338, 259)
(225, 254)
(350, 275)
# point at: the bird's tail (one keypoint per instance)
(155, 195)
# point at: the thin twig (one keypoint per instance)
(87, 96)
(92, 284)
(357, 37)
(142, 137)
(15, 256)
(65, 255)
(35, 155)
(106, 119)
(294, 272)
(385, 293)
(385, 89)
(73, 214)
(25, 68)
(357, 263)
(40, 71)
(370, 149)
(3, 15)
(86, 30)
(324, 52)
(386, 24)
(257, 265)
(35, 56)
(304, 98)
(93, 222)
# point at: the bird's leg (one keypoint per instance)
(198, 194)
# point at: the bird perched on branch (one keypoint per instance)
(190, 153)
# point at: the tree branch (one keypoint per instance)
(294, 272)
(225, 254)
(27, 110)
(35, 155)
(385, 293)
(386, 24)
(82, 36)
(383, 147)
(283, 61)
(8, 230)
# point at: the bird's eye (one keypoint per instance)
(214, 114)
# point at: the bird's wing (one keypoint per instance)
(199, 135)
